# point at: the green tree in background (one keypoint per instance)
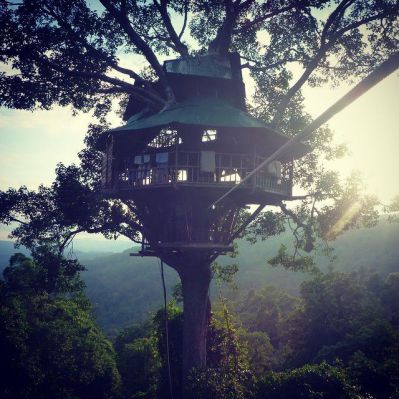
(228, 373)
(339, 316)
(50, 346)
(308, 382)
(142, 360)
(264, 315)
(337, 340)
(343, 325)
(138, 362)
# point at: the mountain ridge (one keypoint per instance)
(124, 289)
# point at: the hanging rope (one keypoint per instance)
(381, 72)
(166, 331)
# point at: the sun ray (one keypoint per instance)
(350, 213)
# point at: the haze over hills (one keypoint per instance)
(83, 248)
(123, 289)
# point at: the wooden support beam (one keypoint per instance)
(205, 246)
(249, 220)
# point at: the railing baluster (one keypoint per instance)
(230, 170)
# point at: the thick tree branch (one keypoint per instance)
(13, 219)
(184, 20)
(141, 45)
(313, 64)
(178, 45)
(250, 24)
(112, 90)
(92, 230)
(365, 21)
(334, 17)
(44, 61)
(221, 44)
(292, 215)
(90, 48)
(143, 94)
(286, 58)
(67, 239)
(307, 228)
(146, 95)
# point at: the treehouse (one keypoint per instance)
(174, 163)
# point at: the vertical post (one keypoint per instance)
(291, 176)
(176, 173)
(110, 164)
(254, 179)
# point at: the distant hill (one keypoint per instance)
(100, 245)
(83, 248)
(123, 289)
(376, 248)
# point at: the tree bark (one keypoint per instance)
(195, 277)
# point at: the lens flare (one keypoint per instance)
(351, 212)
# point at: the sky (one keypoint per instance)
(370, 128)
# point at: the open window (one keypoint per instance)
(165, 138)
(209, 135)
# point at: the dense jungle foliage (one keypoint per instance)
(335, 337)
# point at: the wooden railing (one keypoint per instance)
(185, 168)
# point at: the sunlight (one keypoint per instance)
(344, 220)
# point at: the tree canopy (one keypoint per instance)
(69, 52)
(50, 345)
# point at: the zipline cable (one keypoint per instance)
(166, 331)
(381, 72)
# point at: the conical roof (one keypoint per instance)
(195, 111)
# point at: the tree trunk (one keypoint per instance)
(195, 278)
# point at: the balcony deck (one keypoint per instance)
(185, 170)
